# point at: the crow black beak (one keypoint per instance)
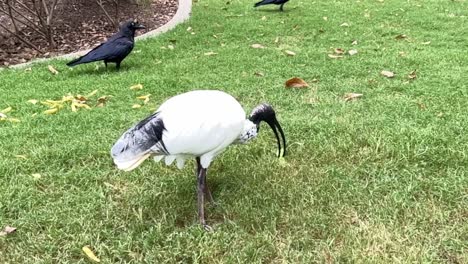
(139, 27)
(275, 126)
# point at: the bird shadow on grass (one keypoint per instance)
(103, 70)
(272, 11)
(179, 203)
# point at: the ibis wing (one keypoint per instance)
(137, 143)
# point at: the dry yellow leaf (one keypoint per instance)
(352, 52)
(210, 53)
(387, 74)
(52, 69)
(136, 87)
(7, 230)
(257, 46)
(412, 75)
(36, 176)
(352, 96)
(333, 56)
(13, 120)
(290, 53)
(21, 156)
(90, 254)
(92, 93)
(32, 101)
(144, 97)
(6, 110)
(51, 111)
(136, 106)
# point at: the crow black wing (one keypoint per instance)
(115, 49)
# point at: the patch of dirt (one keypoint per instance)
(81, 25)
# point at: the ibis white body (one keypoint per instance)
(197, 124)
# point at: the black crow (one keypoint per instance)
(269, 2)
(115, 49)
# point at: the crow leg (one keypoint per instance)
(281, 7)
(105, 63)
(207, 192)
(117, 65)
(201, 203)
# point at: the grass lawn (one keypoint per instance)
(380, 179)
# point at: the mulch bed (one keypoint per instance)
(81, 25)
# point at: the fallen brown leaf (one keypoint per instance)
(52, 69)
(259, 74)
(401, 36)
(7, 230)
(387, 74)
(352, 96)
(296, 83)
(339, 51)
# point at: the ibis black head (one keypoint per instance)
(264, 112)
(130, 26)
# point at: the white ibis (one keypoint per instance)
(198, 124)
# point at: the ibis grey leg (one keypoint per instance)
(207, 192)
(201, 198)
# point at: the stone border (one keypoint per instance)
(184, 10)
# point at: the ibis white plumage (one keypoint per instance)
(199, 124)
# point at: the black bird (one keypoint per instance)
(115, 49)
(269, 2)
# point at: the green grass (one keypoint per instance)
(382, 179)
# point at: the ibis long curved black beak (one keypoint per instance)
(264, 112)
(275, 126)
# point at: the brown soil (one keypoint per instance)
(82, 25)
